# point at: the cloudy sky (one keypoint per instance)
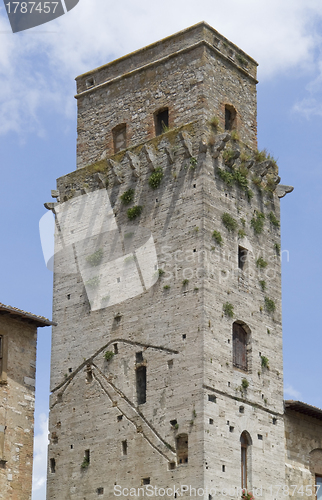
(38, 137)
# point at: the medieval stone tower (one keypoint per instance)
(167, 358)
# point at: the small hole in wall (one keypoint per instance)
(156, 200)
(228, 341)
(262, 396)
(228, 384)
(195, 185)
(124, 447)
(170, 363)
(212, 398)
(173, 422)
(260, 437)
(194, 249)
(171, 465)
(100, 491)
(209, 497)
(231, 428)
(223, 468)
(274, 420)
(227, 422)
(119, 418)
(184, 336)
(145, 480)
(68, 296)
(118, 280)
(211, 421)
(71, 446)
(241, 409)
(116, 350)
(89, 83)
(70, 370)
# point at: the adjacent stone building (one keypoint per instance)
(18, 340)
(167, 364)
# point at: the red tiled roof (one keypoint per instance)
(16, 313)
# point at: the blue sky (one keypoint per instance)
(38, 144)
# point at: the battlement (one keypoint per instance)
(158, 52)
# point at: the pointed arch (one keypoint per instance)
(245, 449)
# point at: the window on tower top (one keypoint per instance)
(161, 121)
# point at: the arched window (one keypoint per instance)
(245, 443)
(239, 346)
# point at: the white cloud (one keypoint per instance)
(40, 459)
(291, 392)
(37, 68)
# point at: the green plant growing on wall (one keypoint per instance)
(243, 222)
(260, 156)
(269, 305)
(217, 237)
(85, 463)
(234, 135)
(166, 287)
(264, 362)
(228, 310)
(277, 247)
(228, 155)
(257, 181)
(214, 122)
(128, 196)
(257, 222)
(176, 426)
(93, 282)
(261, 263)
(241, 60)
(229, 222)
(108, 355)
(241, 233)
(134, 212)
(156, 178)
(241, 179)
(185, 282)
(273, 219)
(244, 384)
(193, 162)
(96, 258)
(225, 176)
(262, 285)
(161, 272)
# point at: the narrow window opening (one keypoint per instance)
(116, 349)
(182, 449)
(230, 117)
(170, 363)
(195, 185)
(139, 357)
(211, 421)
(223, 468)
(209, 497)
(119, 137)
(145, 480)
(100, 491)
(274, 420)
(119, 418)
(242, 258)
(245, 445)
(89, 83)
(71, 446)
(68, 296)
(212, 398)
(141, 385)
(239, 347)
(231, 428)
(70, 370)
(52, 465)
(87, 457)
(228, 384)
(194, 249)
(241, 409)
(260, 437)
(161, 120)
(171, 465)
(184, 336)
(124, 447)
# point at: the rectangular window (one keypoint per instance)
(1, 442)
(239, 347)
(119, 137)
(230, 117)
(141, 385)
(124, 447)
(318, 484)
(242, 258)
(3, 357)
(161, 119)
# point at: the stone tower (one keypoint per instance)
(167, 358)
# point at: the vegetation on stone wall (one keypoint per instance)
(269, 305)
(108, 355)
(228, 310)
(156, 178)
(261, 263)
(229, 222)
(273, 219)
(128, 196)
(95, 258)
(217, 237)
(264, 362)
(134, 212)
(257, 222)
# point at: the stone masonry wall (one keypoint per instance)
(17, 398)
